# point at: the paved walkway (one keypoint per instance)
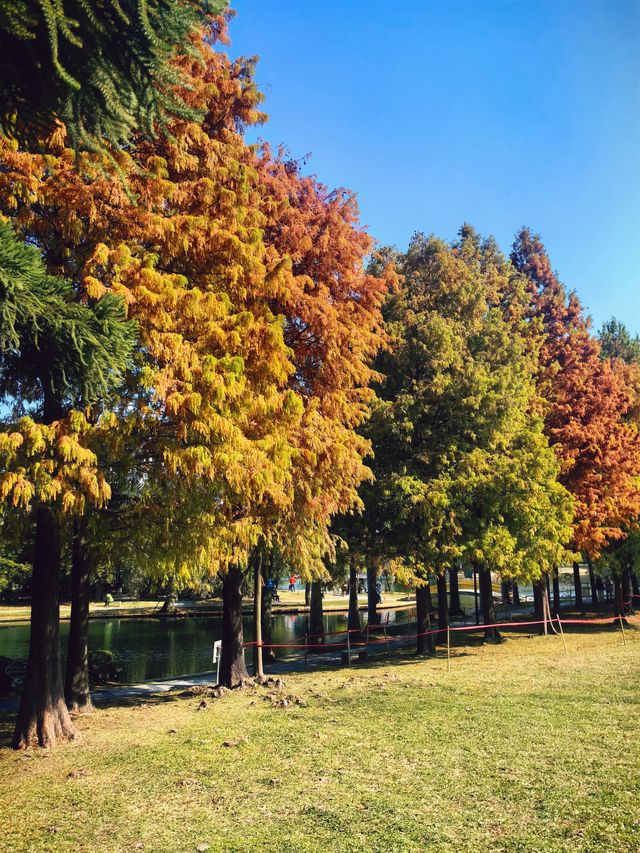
(284, 664)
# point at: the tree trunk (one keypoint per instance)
(618, 599)
(455, 608)
(353, 621)
(267, 602)
(476, 593)
(233, 671)
(43, 716)
(258, 668)
(373, 617)
(307, 594)
(424, 643)
(516, 595)
(546, 609)
(634, 582)
(542, 609)
(443, 607)
(578, 587)
(491, 635)
(76, 684)
(538, 607)
(316, 616)
(626, 592)
(556, 592)
(592, 584)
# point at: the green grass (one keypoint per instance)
(517, 748)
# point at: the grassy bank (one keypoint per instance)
(518, 748)
(289, 601)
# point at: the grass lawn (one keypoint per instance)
(518, 748)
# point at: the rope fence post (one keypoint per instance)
(349, 646)
(306, 651)
(386, 637)
(564, 642)
(448, 647)
(624, 639)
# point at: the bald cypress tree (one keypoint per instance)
(460, 457)
(57, 357)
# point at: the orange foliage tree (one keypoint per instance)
(242, 433)
(587, 403)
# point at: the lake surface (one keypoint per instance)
(163, 648)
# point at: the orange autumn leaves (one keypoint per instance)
(257, 319)
(590, 407)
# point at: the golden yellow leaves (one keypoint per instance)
(51, 464)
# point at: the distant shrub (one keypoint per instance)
(104, 666)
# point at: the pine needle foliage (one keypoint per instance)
(104, 69)
(48, 338)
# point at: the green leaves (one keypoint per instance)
(106, 71)
(78, 351)
(463, 468)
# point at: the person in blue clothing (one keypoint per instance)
(273, 590)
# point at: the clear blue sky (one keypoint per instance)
(501, 113)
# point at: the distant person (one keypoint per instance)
(608, 589)
(292, 583)
(273, 590)
(378, 593)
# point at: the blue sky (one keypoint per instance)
(501, 113)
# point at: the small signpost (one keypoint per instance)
(217, 654)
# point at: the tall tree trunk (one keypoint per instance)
(516, 594)
(43, 716)
(424, 643)
(541, 599)
(627, 601)
(538, 607)
(618, 599)
(233, 671)
(476, 594)
(556, 592)
(76, 683)
(455, 607)
(353, 621)
(443, 607)
(491, 635)
(267, 602)
(316, 615)
(258, 668)
(592, 584)
(546, 609)
(307, 594)
(373, 565)
(578, 586)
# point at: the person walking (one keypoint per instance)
(292, 583)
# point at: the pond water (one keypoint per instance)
(162, 648)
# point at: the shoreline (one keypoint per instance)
(208, 611)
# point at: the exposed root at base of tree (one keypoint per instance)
(45, 729)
